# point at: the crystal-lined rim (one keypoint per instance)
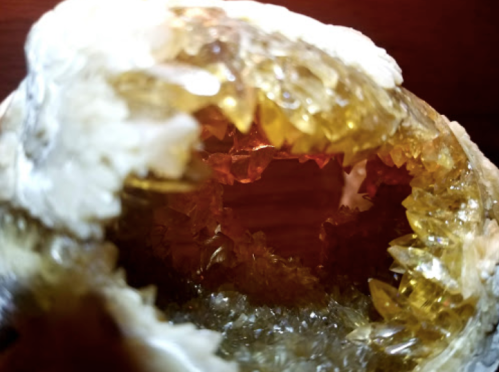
(311, 103)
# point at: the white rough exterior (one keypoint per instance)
(67, 143)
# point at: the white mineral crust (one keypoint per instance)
(67, 143)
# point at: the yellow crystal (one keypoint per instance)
(389, 302)
(419, 261)
(298, 102)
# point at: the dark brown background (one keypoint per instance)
(448, 50)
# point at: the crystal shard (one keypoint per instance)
(286, 125)
(422, 262)
(387, 300)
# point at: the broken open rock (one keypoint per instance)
(293, 206)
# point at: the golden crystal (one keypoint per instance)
(288, 101)
(419, 261)
(387, 300)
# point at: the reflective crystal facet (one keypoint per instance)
(266, 103)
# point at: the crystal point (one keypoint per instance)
(424, 263)
(387, 300)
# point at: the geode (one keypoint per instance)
(220, 186)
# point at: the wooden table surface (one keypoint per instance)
(448, 50)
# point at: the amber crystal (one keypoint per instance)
(282, 125)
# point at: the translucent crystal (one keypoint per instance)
(388, 301)
(278, 338)
(326, 104)
(268, 105)
(422, 262)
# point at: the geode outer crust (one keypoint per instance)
(62, 171)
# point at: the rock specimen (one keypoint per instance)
(266, 173)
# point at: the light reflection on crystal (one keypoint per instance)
(276, 339)
(387, 300)
(403, 348)
(294, 100)
(424, 263)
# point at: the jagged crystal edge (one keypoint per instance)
(477, 348)
(31, 260)
(64, 121)
(10, 143)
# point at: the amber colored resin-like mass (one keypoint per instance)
(264, 249)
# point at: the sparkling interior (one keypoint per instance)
(264, 248)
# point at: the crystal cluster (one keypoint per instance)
(265, 102)
(308, 339)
